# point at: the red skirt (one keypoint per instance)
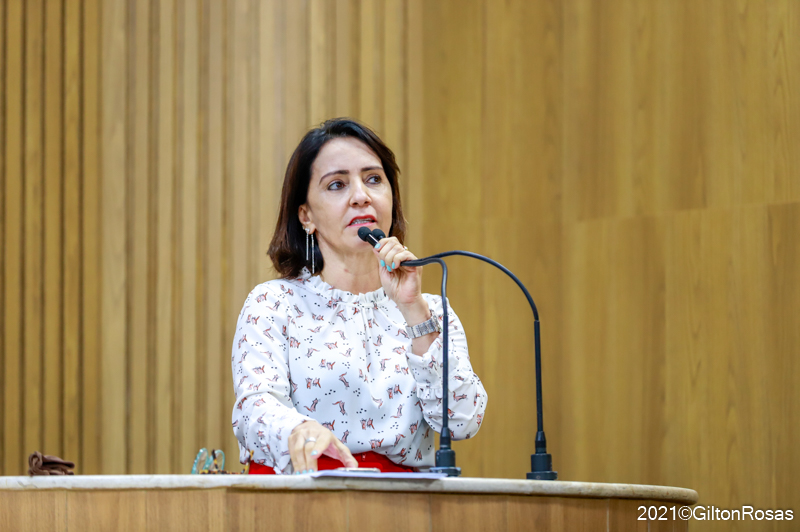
(368, 459)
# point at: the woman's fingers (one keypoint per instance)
(306, 446)
(312, 452)
(392, 253)
(387, 244)
(297, 453)
(345, 456)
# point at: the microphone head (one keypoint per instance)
(377, 233)
(363, 233)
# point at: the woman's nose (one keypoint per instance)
(359, 194)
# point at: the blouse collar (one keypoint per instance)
(317, 285)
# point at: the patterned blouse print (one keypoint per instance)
(305, 350)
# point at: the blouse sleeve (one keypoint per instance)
(467, 399)
(263, 415)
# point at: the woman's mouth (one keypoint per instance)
(363, 220)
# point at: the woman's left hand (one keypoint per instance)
(402, 284)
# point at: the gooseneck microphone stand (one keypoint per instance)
(445, 456)
(541, 460)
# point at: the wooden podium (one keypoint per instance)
(273, 503)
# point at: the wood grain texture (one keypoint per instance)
(72, 405)
(2, 220)
(402, 511)
(53, 237)
(91, 316)
(468, 512)
(256, 512)
(137, 196)
(33, 226)
(114, 511)
(114, 252)
(633, 163)
(45, 512)
(245, 510)
(147, 143)
(13, 242)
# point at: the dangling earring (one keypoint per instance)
(306, 228)
(313, 255)
(310, 250)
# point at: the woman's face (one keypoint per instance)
(348, 190)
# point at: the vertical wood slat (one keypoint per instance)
(92, 319)
(3, 7)
(188, 225)
(165, 242)
(52, 316)
(114, 256)
(13, 240)
(71, 408)
(217, 359)
(236, 198)
(177, 446)
(33, 226)
(153, 402)
(322, 41)
(393, 78)
(414, 169)
(201, 225)
(138, 202)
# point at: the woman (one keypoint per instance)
(326, 370)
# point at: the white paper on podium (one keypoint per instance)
(377, 476)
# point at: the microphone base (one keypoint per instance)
(542, 467)
(446, 462)
(449, 471)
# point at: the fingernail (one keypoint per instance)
(378, 245)
(393, 265)
(314, 453)
(383, 264)
(388, 269)
(297, 472)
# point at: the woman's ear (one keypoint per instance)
(305, 219)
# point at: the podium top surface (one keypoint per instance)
(463, 485)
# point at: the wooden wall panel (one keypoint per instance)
(646, 209)
(146, 144)
(677, 194)
(633, 163)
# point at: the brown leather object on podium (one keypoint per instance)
(40, 464)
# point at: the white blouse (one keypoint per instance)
(305, 350)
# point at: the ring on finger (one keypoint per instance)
(310, 440)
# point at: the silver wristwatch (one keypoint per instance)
(426, 327)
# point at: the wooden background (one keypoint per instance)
(635, 162)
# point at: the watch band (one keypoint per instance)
(426, 327)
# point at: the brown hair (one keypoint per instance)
(288, 247)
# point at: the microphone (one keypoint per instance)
(541, 460)
(370, 236)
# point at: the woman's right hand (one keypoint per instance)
(304, 455)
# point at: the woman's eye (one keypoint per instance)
(335, 185)
(374, 179)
